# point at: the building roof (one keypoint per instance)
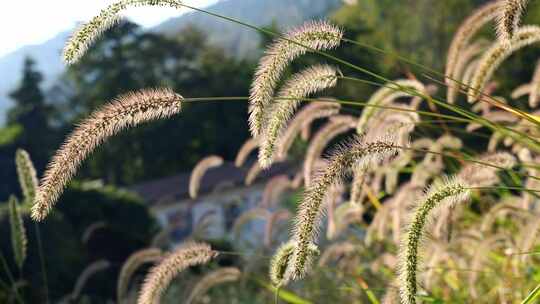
(176, 187)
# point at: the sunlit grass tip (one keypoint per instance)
(308, 37)
(281, 260)
(356, 153)
(88, 32)
(496, 54)
(126, 111)
(509, 18)
(311, 80)
(161, 275)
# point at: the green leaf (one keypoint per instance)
(532, 296)
(285, 295)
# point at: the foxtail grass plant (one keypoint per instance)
(310, 36)
(87, 273)
(91, 229)
(535, 87)
(246, 149)
(466, 32)
(311, 80)
(281, 261)
(451, 143)
(357, 153)
(384, 96)
(443, 194)
(496, 55)
(252, 173)
(90, 31)
(19, 241)
(508, 19)
(124, 112)
(308, 114)
(160, 276)
(339, 125)
(247, 216)
(134, 261)
(27, 175)
(273, 190)
(460, 68)
(197, 174)
(272, 223)
(214, 278)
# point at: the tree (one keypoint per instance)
(28, 127)
(32, 114)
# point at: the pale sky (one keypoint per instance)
(25, 22)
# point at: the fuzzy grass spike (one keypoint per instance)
(89, 32)
(496, 55)
(161, 275)
(311, 80)
(358, 153)
(27, 175)
(126, 111)
(441, 195)
(19, 241)
(311, 36)
(509, 18)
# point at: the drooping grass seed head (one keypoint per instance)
(252, 173)
(311, 36)
(306, 115)
(271, 223)
(197, 174)
(161, 275)
(508, 19)
(311, 80)
(281, 260)
(86, 274)
(466, 31)
(88, 32)
(384, 96)
(484, 173)
(273, 190)
(133, 262)
(357, 153)
(496, 55)
(91, 229)
(214, 278)
(535, 87)
(250, 145)
(337, 126)
(126, 111)
(441, 195)
(246, 216)
(336, 250)
(466, 56)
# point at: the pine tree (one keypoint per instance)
(31, 113)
